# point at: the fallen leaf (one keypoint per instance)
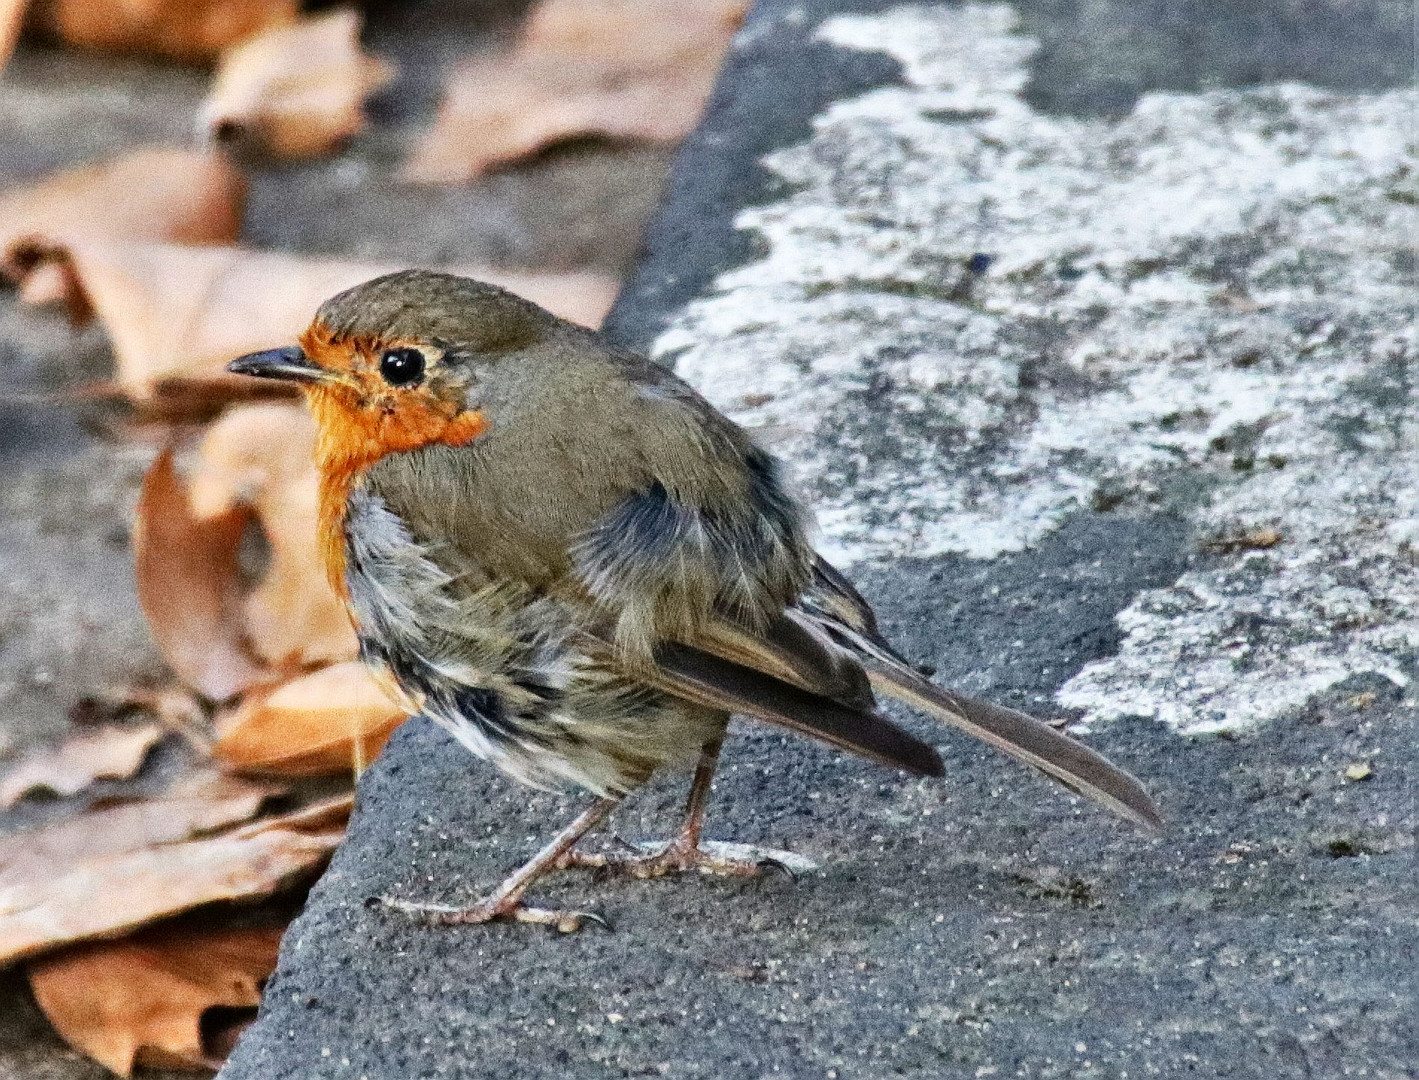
(1263, 538)
(325, 723)
(42, 286)
(1257, 539)
(12, 18)
(628, 69)
(187, 30)
(141, 1001)
(112, 894)
(295, 91)
(113, 753)
(191, 402)
(156, 193)
(200, 804)
(256, 461)
(189, 585)
(262, 457)
(179, 710)
(175, 708)
(180, 313)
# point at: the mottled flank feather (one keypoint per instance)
(502, 669)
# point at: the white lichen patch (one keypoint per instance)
(1206, 307)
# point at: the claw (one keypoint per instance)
(599, 919)
(567, 922)
(650, 860)
(779, 867)
(407, 907)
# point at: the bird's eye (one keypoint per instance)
(400, 367)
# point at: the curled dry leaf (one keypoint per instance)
(156, 193)
(262, 457)
(295, 91)
(202, 803)
(189, 585)
(177, 708)
(141, 1001)
(12, 18)
(188, 30)
(325, 723)
(112, 894)
(176, 313)
(113, 753)
(631, 69)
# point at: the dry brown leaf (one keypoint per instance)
(140, 1001)
(156, 193)
(202, 803)
(188, 30)
(326, 723)
(12, 18)
(178, 709)
(295, 91)
(44, 285)
(114, 753)
(180, 313)
(262, 456)
(256, 459)
(113, 894)
(631, 69)
(191, 402)
(189, 585)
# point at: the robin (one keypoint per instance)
(570, 560)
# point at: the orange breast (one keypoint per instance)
(355, 434)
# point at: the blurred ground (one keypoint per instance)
(69, 619)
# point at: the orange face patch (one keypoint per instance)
(360, 418)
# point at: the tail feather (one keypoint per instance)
(1022, 737)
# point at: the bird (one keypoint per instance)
(561, 553)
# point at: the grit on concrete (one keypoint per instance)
(990, 925)
(69, 619)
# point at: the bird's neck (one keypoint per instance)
(352, 438)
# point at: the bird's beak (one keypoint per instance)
(289, 364)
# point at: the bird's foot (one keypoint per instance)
(493, 909)
(653, 860)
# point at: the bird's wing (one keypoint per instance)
(794, 650)
(706, 679)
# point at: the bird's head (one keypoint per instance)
(402, 361)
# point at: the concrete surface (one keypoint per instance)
(1058, 480)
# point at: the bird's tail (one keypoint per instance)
(1022, 737)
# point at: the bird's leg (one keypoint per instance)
(685, 852)
(505, 902)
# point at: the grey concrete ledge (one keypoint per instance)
(1197, 325)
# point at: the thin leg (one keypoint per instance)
(505, 902)
(686, 852)
(699, 795)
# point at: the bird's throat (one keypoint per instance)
(353, 436)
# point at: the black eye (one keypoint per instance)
(401, 366)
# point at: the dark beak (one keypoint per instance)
(289, 364)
